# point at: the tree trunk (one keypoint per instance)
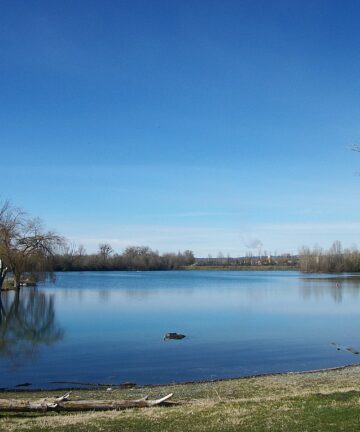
(62, 404)
(3, 271)
(17, 279)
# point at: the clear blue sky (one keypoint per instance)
(208, 125)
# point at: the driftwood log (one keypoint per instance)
(352, 350)
(64, 404)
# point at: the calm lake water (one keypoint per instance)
(108, 327)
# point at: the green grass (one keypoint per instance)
(318, 401)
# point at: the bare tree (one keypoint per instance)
(25, 247)
(332, 260)
(105, 250)
(81, 251)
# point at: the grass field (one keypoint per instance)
(316, 401)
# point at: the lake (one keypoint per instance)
(108, 327)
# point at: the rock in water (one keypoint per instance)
(27, 384)
(174, 336)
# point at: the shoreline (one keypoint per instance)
(322, 400)
(126, 386)
(255, 376)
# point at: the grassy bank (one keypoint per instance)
(317, 401)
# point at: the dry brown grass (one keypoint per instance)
(225, 405)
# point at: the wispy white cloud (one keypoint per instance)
(235, 240)
(313, 226)
(196, 214)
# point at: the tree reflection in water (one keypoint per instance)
(336, 288)
(27, 321)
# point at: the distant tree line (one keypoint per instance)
(332, 260)
(249, 260)
(29, 253)
(133, 258)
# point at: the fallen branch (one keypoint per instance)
(123, 385)
(64, 404)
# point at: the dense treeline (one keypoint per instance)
(285, 260)
(133, 258)
(333, 260)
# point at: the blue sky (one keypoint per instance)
(204, 125)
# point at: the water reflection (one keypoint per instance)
(104, 296)
(27, 321)
(336, 288)
(237, 323)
